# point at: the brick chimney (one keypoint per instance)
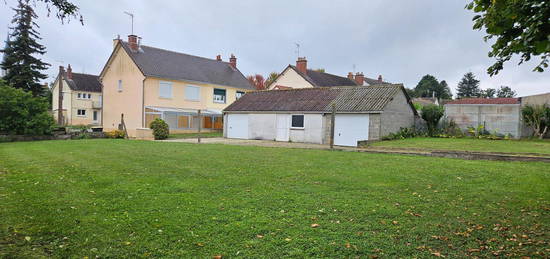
(69, 72)
(233, 61)
(301, 65)
(219, 57)
(359, 78)
(133, 42)
(380, 79)
(350, 75)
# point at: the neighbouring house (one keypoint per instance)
(300, 76)
(368, 81)
(363, 113)
(142, 83)
(76, 98)
(501, 115)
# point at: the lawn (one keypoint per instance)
(465, 144)
(120, 198)
(195, 135)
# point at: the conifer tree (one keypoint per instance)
(23, 68)
(468, 86)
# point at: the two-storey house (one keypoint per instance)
(142, 83)
(76, 98)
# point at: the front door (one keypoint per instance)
(283, 127)
(350, 128)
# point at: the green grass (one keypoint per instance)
(120, 198)
(195, 135)
(465, 144)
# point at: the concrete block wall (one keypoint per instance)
(374, 126)
(397, 114)
(501, 118)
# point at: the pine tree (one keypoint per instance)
(468, 86)
(23, 69)
(429, 87)
(506, 92)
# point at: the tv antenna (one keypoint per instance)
(354, 68)
(132, 17)
(297, 48)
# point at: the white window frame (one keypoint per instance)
(303, 121)
(120, 85)
(81, 114)
(222, 100)
(239, 94)
(170, 88)
(89, 96)
(79, 96)
(187, 97)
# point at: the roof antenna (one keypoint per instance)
(132, 17)
(353, 68)
(297, 48)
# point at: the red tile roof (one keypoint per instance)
(486, 101)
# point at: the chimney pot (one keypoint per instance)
(133, 41)
(380, 79)
(359, 78)
(219, 57)
(233, 61)
(350, 75)
(69, 72)
(301, 65)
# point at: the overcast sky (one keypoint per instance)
(402, 41)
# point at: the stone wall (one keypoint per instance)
(396, 115)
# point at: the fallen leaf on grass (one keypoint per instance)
(259, 236)
(217, 257)
(315, 225)
(28, 238)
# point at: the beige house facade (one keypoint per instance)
(142, 83)
(81, 99)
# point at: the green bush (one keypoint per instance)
(23, 114)
(160, 129)
(404, 133)
(432, 114)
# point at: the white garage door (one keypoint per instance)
(237, 126)
(350, 128)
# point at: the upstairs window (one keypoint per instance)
(120, 85)
(165, 90)
(89, 96)
(219, 95)
(297, 121)
(239, 94)
(192, 93)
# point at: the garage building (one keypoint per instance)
(304, 115)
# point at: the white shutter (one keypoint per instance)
(165, 90)
(192, 93)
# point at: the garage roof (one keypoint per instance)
(346, 99)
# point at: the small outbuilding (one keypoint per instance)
(304, 115)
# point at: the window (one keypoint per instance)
(165, 90)
(95, 115)
(80, 112)
(192, 93)
(79, 96)
(89, 96)
(84, 96)
(239, 94)
(183, 121)
(297, 121)
(120, 85)
(219, 95)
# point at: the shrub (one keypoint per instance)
(115, 134)
(404, 133)
(432, 114)
(23, 114)
(538, 118)
(160, 129)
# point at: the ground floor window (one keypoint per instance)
(297, 121)
(150, 117)
(184, 119)
(95, 115)
(81, 112)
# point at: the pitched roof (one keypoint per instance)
(322, 79)
(84, 82)
(168, 64)
(319, 99)
(486, 101)
(372, 81)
